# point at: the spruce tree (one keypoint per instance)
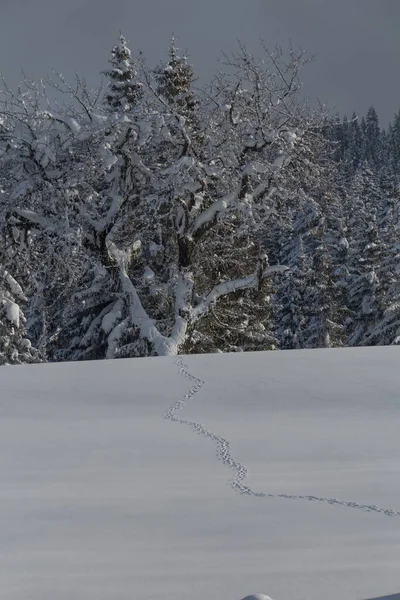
(387, 318)
(363, 144)
(355, 143)
(365, 255)
(372, 139)
(394, 142)
(124, 91)
(290, 300)
(175, 85)
(15, 347)
(387, 327)
(324, 329)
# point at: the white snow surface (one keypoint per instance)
(202, 477)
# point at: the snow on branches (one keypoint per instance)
(124, 90)
(160, 211)
(15, 348)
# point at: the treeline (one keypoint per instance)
(362, 140)
(152, 218)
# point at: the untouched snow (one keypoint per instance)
(202, 477)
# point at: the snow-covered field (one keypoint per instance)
(102, 498)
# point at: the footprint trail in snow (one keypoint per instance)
(239, 471)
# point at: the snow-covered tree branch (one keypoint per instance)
(149, 218)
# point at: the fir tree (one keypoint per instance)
(387, 327)
(394, 142)
(372, 139)
(124, 90)
(323, 329)
(290, 301)
(365, 285)
(15, 347)
(354, 148)
(174, 84)
(363, 144)
(387, 314)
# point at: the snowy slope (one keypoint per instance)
(111, 487)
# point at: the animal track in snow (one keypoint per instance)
(239, 471)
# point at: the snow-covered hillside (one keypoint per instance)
(211, 477)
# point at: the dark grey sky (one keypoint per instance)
(357, 42)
